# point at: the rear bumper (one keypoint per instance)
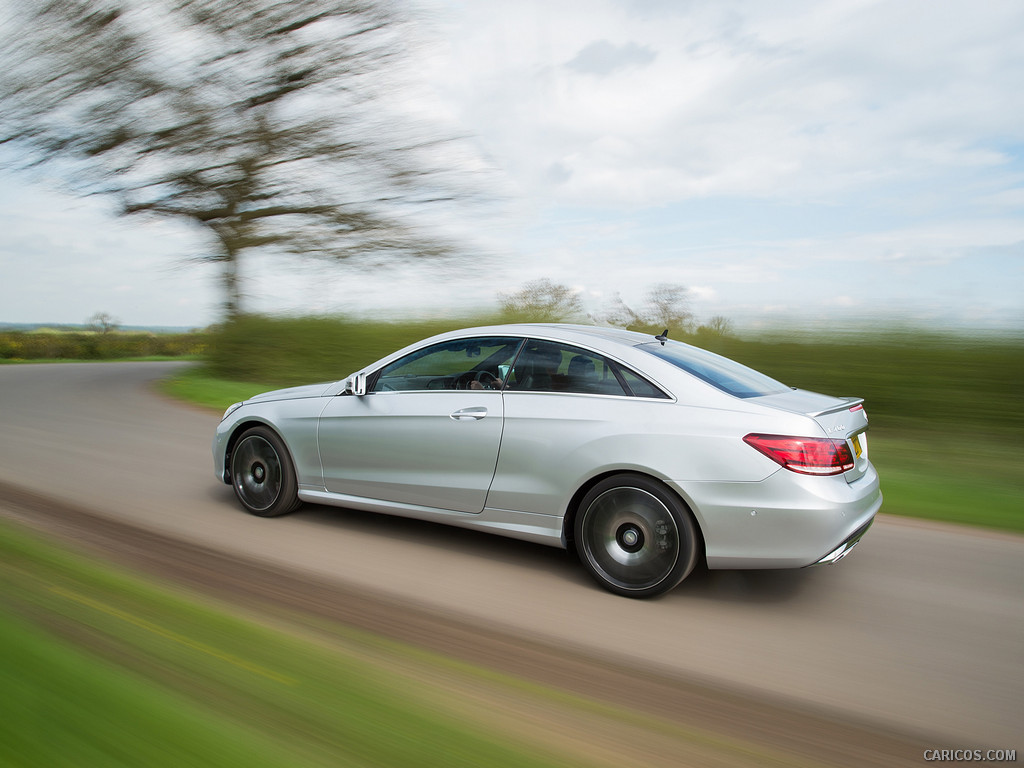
(784, 521)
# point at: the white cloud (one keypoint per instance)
(777, 158)
(601, 57)
(796, 99)
(703, 293)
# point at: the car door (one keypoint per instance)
(427, 433)
(569, 412)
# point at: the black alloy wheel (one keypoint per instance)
(635, 537)
(262, 473)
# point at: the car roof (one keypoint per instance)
(565, 331)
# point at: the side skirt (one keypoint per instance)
(540, 529)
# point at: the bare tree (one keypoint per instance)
(668, 306)
(258, 121)
(103, 322)
(542, 299)
(619, 314)
(718, 325)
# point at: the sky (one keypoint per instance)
(813, 164)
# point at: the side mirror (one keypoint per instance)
(355, 385)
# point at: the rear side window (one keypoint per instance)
(640, 387)
(720, 372)
(545, 366)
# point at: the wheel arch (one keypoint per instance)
(237, 431)
(569, 520)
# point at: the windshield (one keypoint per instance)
(720, 372)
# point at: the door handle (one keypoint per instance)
(469, 414)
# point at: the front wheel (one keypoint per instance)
(634, 536)
(262, 473)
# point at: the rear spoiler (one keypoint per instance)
(848, 404)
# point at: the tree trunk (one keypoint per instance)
(232, 286)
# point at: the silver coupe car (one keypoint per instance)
(642, 453)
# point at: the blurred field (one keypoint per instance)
(102, 668)
(957, 480)
(99, 668)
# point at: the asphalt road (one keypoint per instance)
(920, 629)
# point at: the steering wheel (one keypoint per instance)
(485, 379)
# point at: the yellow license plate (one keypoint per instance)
(858, 445)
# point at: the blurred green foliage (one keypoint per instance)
(99, 668)
(957, 480)
(289, 351)
(71, 345)
(925, 383)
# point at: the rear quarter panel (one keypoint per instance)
(552, 444)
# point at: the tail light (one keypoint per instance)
(806, 455)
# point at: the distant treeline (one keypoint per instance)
(83, 345)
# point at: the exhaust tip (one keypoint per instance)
(844, 549)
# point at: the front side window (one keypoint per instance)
(458, 364)
(546, 366)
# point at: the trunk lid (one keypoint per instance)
(841, 418)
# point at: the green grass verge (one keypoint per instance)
(199, 386)
(952, 479)
(100, 668)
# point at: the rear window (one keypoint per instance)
(720, 372)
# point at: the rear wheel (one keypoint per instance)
(262, 473)
(634, 536)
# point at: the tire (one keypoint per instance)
(634, 536)
(262, 474)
